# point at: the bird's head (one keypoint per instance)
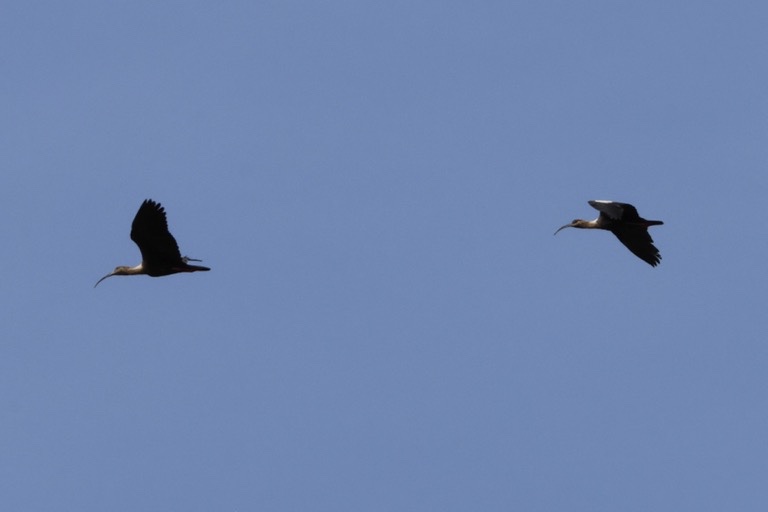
(119, 271)
(575, 223)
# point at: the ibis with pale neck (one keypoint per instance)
(622, 220)
(160, 254)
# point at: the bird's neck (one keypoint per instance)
(130, 271)
(588, 224)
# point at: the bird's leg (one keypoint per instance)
(186, 259)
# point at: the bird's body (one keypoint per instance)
(160, 254)
(622, 220)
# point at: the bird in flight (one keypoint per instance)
(622, 220)
(160, 254)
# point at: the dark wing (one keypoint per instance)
(615, 211)
(150, 232)
(637, 240)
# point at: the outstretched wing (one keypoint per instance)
(614, 210)
(639, 241)
(150, 232)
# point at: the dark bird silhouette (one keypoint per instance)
(622, 220)
(160, 254)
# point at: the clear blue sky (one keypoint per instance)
(389, 324)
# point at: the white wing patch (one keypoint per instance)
(611, 209)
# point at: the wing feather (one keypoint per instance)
(639, 241)
(150, 232)
(615, 211)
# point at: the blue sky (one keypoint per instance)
(389, 323)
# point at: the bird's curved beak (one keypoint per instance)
(103, 278)
(563, 227)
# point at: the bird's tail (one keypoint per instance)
(194, 268)
(191, 268)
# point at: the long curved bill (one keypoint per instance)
(566, 226)
(103, 278)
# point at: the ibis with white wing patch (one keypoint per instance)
(622, 220)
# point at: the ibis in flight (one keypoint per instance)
(160, 254)
(631, 229)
